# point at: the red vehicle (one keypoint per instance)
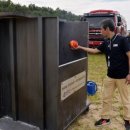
(95, 17)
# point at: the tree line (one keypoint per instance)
(32, 9)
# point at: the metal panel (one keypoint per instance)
(72, 101)
(60, 113)
(72, 72)
(13, 66)
(5, 69)
(71, 31)
(21, 85)
(51, 61)
(29, 71)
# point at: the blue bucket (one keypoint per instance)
(91, 87)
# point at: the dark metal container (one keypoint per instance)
(44, 79)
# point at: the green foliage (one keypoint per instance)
(32, 9)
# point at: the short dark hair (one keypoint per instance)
(108, 23)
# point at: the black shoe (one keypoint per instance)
(102, 122)
(127, 125)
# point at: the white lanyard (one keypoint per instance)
(110, 47)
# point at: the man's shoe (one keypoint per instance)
(127, 124)
(102, 122)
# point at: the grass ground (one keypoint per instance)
(96, 68)
(97, 72)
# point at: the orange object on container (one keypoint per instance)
(73, 43)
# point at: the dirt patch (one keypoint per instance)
(86, 121)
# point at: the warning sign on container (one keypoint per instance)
(72, 84)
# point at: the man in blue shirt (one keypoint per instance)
(117, 51)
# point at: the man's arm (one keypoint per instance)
(128, 76)
(89, 50)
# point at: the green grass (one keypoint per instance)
(96, 68)
(96, 72)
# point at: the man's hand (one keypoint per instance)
(128, 79)
(76, 48)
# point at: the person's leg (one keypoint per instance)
(109, 88)
(124, 93)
